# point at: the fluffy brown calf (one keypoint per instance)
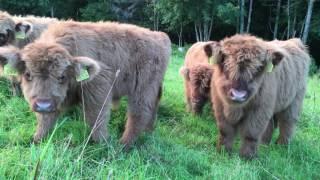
(70, 50)
(247, 93)
(197, 77)
(19, 31)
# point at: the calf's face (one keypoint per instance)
(6, 30)
(240, 64)
(11, 30)
(46, 80)
(48, 72)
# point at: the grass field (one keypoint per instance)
(181, 147)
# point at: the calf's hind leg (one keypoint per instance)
(288, 119)
(141, 114)
(188, 96)
(151, 123)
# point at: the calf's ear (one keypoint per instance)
(213, 52)
(86, 68)
(10, 61)
(23, 29)
(274, 57)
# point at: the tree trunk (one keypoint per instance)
(302, 27)
(241, 30)
(204, 28)
(180, 36)
(210, 28)
(196, 30)
(52, 11)
(275, 31)
(284, 33)
(289, 18)
(293, 31)
(249, 16)
(155, 17)
(307, 23)
(200, 32)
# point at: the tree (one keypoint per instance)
(294, 22)
(228, 14)
(124, 10)
(276, 24)
(249, 16)
(241, 21)
(155, 16)
(202, 17)
(174, 14)
(97, 10)
(152, 12)
(289, 18)
(307, 22)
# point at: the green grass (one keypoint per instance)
(181, 147)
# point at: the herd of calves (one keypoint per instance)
(253, 85)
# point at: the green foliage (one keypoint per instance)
(181, 147)
(173, 13)
(97, 10)
(202, 11)
(22, 7)
(313, 68)
(176, 13)
(229, 13)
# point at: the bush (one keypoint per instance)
(314, 69)
(96, 11)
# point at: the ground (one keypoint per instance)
(181, 147)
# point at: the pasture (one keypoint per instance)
(181, 147)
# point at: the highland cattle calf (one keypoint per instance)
(91, 63)
(21, 30)
(253, 81)
(197, 77)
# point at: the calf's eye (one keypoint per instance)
(61, 78)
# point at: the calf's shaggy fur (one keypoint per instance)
(50, 65)
(197, 77)
(246, 96)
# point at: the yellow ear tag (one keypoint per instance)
(212, 60)
(269, 67)
(8, 70)
(84, 74)
(20, 35)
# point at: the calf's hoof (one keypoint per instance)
(282, 141)
(37, 138)
(248, 153)
(99, 138)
